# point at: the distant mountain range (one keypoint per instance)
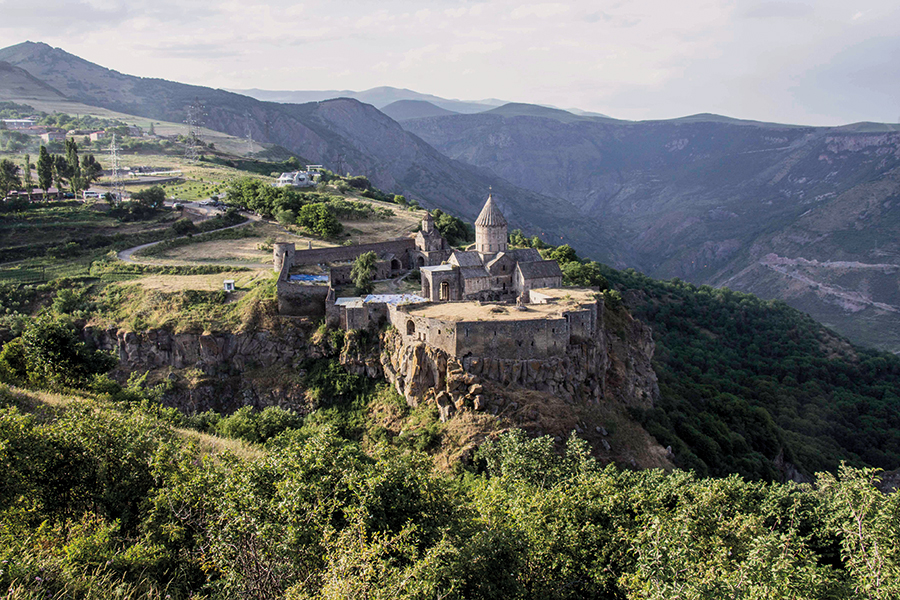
(803, 214)
(378, 97)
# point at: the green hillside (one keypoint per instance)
(746, 383)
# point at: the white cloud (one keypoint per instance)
(757, 59)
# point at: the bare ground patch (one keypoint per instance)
(210, 283)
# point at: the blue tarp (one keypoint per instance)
(310, 278)
(394, 298)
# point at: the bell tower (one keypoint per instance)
(490, 230)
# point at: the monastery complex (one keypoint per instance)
(485, 301)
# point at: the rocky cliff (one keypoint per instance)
(221, 371)
(587, 390)
(609, 368)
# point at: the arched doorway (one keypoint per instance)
(420, 262)
(410, 327)
(396, 266)
(445, 291)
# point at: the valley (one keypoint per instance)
(171, 428)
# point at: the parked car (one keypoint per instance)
(178, 206)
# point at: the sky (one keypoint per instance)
(827, 62)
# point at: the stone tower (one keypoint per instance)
(283, 252)
(427, 222)
(490, 230)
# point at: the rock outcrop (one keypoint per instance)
(221, 371)
(609, 367)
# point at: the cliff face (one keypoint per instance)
(220, 372)
(588, 389)
(610, 367)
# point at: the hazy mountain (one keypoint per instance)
(18, 83)
(403, 110)
(518, 109)
(379, 97)
(344, 134)
(717, 200)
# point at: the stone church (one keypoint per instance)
(488, 270)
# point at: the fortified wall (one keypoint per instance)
(465, 354)
(400, 248)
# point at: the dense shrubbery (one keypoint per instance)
(50, 354)
(454, 229)
(118, 501)
(316, 211)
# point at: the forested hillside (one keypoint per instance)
(748, 384)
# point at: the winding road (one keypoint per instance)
(128, 254)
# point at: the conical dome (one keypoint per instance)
(490, 215)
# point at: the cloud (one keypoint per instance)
(778, 10)
(42, 16)
(650, 59)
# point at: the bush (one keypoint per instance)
(54, 355)
(184, 226)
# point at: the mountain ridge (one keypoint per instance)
(343, 134)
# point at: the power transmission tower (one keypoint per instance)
(194, 121)
(118, 189)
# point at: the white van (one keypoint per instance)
(91, 194)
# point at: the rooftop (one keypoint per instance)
(565, 299)
(490, 215)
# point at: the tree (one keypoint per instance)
(54, 355)
(517, 238)
(75, 182)
(563, 254)
(583, 274)
(9, 178)
(28, 181)
(362, 271)
(318, 219)
(152, 197)
(61, 173)
(45, 170)
(454, 230)
(90, 170)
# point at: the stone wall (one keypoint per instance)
(341, 274)
(283, 254)
(399, 247)
(301, 299)
(414, 328)
(538, 338)
(602, 367)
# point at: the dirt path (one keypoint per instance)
(128, 255)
